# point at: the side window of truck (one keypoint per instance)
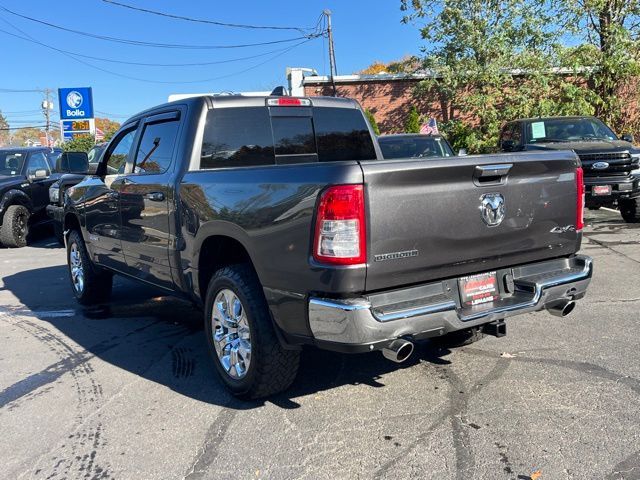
(119, 153)
(237, 137)
(156, 147)
(38, 161)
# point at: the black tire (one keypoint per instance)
(461, 338)
(272, 369)
(630, 210)
(96, 284)
(58, 232)
(15, 227)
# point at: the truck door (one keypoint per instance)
(146, 200)
(102, 202)
(39, 186)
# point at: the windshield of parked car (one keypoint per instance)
(419, 146)
(569, 130)
(11, 162)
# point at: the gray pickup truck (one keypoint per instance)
(280, 217)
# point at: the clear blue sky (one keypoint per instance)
(364, 31)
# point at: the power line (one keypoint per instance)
(25, 121)
(39, 127)
(154, 44)
(11, 90)
(19, 112)
(32, 39)
(144, 64)
(205, 21)
(22, 115)
(113, 115)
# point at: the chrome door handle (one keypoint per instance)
(493, 170)
(491, 174)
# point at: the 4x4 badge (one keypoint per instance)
(492, 209)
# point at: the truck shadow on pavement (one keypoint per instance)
(160, 339)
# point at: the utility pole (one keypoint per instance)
(332, 55)
(47, 106)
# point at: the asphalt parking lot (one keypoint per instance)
(128, 392)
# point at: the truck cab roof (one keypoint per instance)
(238, 101)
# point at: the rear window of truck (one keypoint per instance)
(250, 136)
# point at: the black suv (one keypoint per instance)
(606, 159)
(25, 176)
(26, 173)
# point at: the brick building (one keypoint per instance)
(390, 97)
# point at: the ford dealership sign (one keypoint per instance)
(75, 103)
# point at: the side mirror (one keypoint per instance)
(508, 145)
(627, 137)
(38, 175)
(73, 162)
(462, 152)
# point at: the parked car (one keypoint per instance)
(414, 145)
(25, 176)
(81, 164)
(279, 216)
(608, 161)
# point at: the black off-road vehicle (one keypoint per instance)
(25, 176)
(606, 159)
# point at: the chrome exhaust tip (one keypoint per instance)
(561, 308)
(398, 350)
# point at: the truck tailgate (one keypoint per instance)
(425, 217)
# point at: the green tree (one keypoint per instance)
(610, 34)
(108, 127)
(4, 130)
(81, 143)
(372, 121)
(412, 124)
(22, 135)
(407, 63)
(490, 62)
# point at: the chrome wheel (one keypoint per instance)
(77, 270)
(231, 334)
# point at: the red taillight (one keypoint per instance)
(288, 102)
(580, 199)
(341, 234)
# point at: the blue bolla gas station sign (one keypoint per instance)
(75, 103)
(76, 111)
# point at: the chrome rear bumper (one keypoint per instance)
(435, 309)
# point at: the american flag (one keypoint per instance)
(429, 128)
(99, 135)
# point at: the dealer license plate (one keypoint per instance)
(601, 190)
(478, 289)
